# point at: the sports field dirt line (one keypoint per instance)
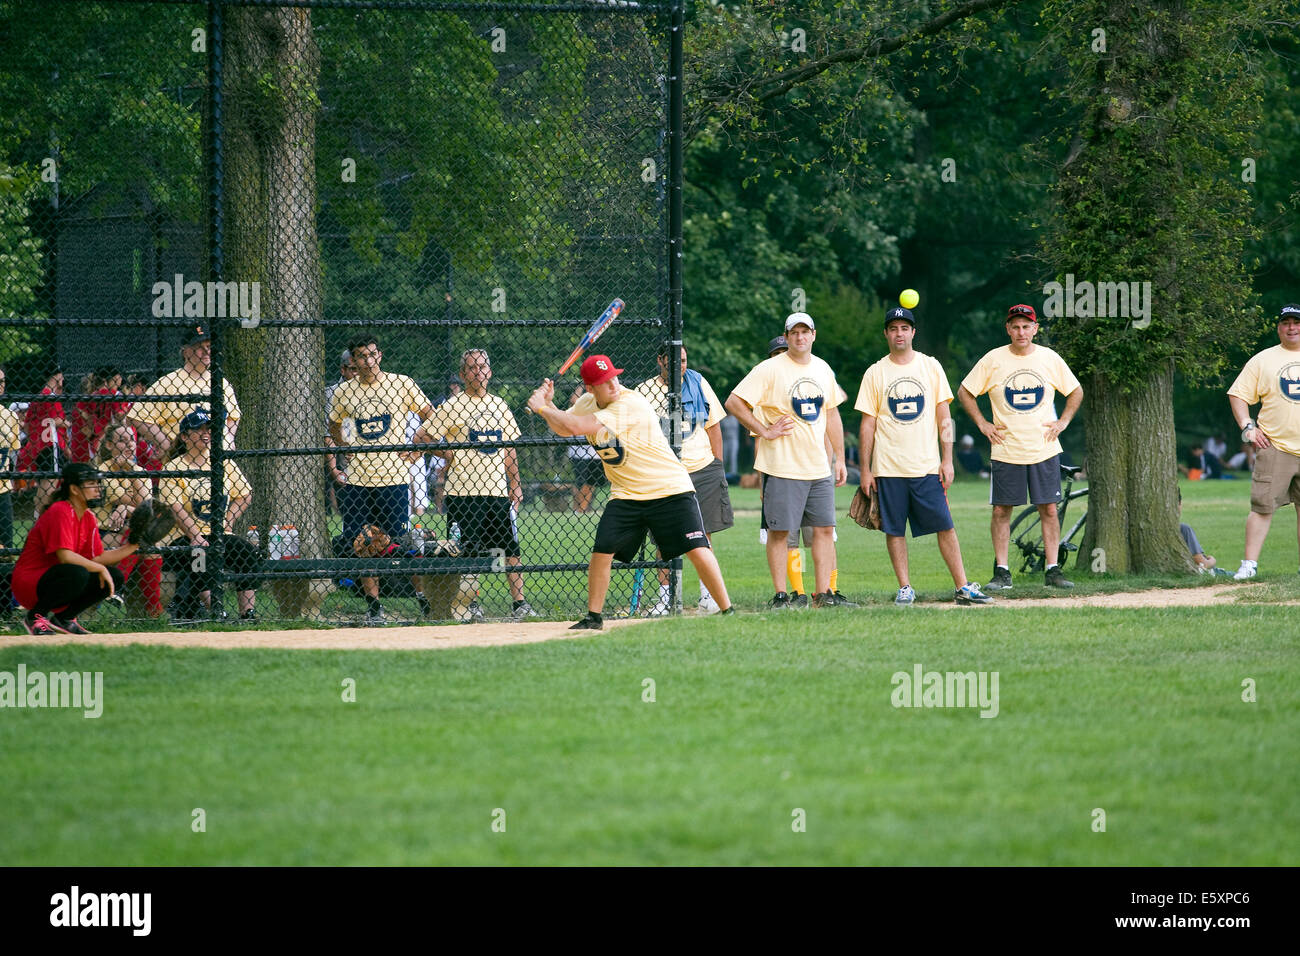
(1156, 597)
(498, 634)
(339, 639)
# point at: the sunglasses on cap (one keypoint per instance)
(1021, 310)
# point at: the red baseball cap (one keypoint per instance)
(1022, 311)
(597, 369)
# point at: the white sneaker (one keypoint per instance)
(660, 609)
(708, 605)
(1246, 571)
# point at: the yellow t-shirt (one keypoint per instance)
(116, 489)
(697, 452)
(372, 416)
(781, 386)
(167, 415)
(195, 494)
(1272, 378)
(904, 400)
(488, 420)
(1022, 390)
(9, 431)
(638, 460)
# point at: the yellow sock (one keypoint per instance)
(835, 579)
(794, 569)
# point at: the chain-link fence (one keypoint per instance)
(292, 270)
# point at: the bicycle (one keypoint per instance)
(1030, 538)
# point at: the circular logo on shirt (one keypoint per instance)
(806, 400)
(611, 452)
(905, 398)
(1288, 382)
(1024, 391)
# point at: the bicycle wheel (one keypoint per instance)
(1029, 540)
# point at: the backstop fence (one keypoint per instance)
(291, 269)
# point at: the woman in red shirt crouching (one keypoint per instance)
(64, 568)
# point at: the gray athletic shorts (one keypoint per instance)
(790, 503)
(1010, 483)
(715, 501)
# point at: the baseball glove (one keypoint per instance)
(371, 542)
(149, 524)
(865, 510)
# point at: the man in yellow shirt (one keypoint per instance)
(905, 419)
(158, 422)
(483, 491)
(373, 407)
(1022, 380)
(650, 488)
(1272, 378)
(791, 403)
(701, 444)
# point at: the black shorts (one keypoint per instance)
(674, 523)
(485, 524)
(1009, 483)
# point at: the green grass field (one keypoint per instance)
(1138, 713)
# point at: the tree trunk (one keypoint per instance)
(1132, 479)
(272, 69)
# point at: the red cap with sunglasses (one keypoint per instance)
(1022, 312)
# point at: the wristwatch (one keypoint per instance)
(1246, 429)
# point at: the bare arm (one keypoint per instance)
(835, 434)
(943, 418)
(152, 434)
(564, 424)
(188, 525)
(1241, 412)
(1072, 403)
(866, 444)
(512, 476)
(237, 507)
(990, 431)
(745, 415)
(715, 440)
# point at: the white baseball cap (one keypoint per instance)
(799, 318)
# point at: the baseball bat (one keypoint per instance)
(596, 330)
(638, 583)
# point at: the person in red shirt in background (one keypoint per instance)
(91, 418)
(64, 568)
(42, 422)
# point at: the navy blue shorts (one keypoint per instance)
(920, 501)
(386, 506)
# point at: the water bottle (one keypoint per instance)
(252, 536)
(417, 539)
(455, 533)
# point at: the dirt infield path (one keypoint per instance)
(342, 638)
(496, 635)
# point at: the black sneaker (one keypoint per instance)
(798, 599)
(426, 609)
(780, 601)
(1054, 578)
(730, 610)
(37, 625)
(66, 626)
(824, 600)
(249, 615)
(592, 622)
(1001, 580)
(839, 600)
